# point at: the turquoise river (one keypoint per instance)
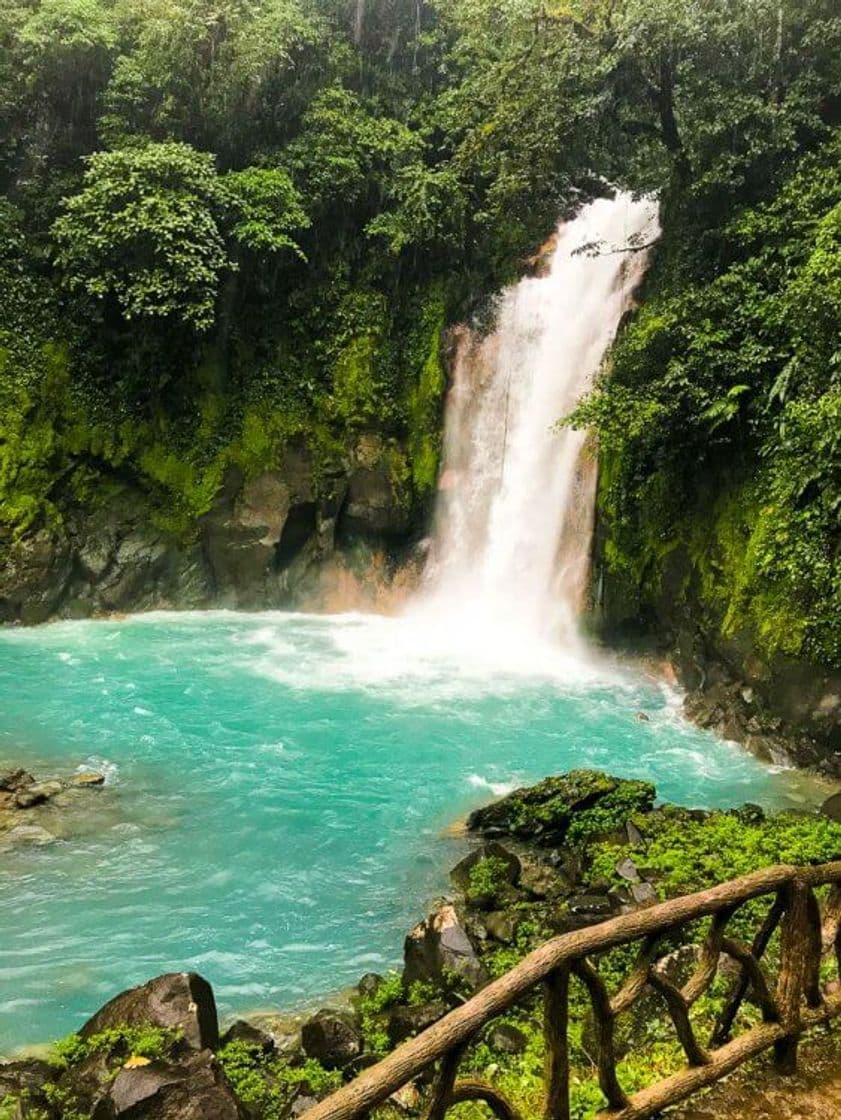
(279, 793)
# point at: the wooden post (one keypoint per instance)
(555, 1024)
(442, 1093)
(723, 1027)
(795, 943)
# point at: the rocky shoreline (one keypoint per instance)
(566, 853)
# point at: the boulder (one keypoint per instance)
(438, 950)
(544, 813)
(627, 869)
(375, 505)
(302, 1104)
(88, 779)
(597, 906)
(369, 985)
(460, 874)
(507, 1039)
(644, 895)
(180, 1001)
(243, 1031)
(405, 1022)
(332, 1038)
(584, 909)
(195, 1090)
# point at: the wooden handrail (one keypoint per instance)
(548, 966)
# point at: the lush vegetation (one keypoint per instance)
(228, 226)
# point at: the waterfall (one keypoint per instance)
(513, 525)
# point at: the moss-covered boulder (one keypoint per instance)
(566, 809)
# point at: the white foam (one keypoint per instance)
(498, 789)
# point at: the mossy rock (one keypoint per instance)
(570, 808)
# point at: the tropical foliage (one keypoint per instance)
(227, 224)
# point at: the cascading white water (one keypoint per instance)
(510, 548)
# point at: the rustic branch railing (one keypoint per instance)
(795, 1003)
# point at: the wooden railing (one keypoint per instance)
(793, 1003)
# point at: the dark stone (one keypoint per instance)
(243, 1031)
(832, 807)
(541, 880)
(405, 1022)
(643, 894)
(13, 780)
(26, 1077)
(590, 905)
(196, 1090)
(373, 508)
(460, 874)
(177, 1001)
(439, 948)
(355, 1067)
(627, 869)
(332, 1038)
(300, 527)
(507, 1039)
(749, 814)
(369, 985)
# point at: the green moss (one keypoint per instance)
(424, 405)
(573, 807)
(353, 397)
(118, 1042)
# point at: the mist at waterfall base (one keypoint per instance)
(279, 786)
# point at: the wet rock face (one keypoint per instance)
(181, 1001)
(439, 949)
(261, 543)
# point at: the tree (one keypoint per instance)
(149, 229)
(143, 230)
